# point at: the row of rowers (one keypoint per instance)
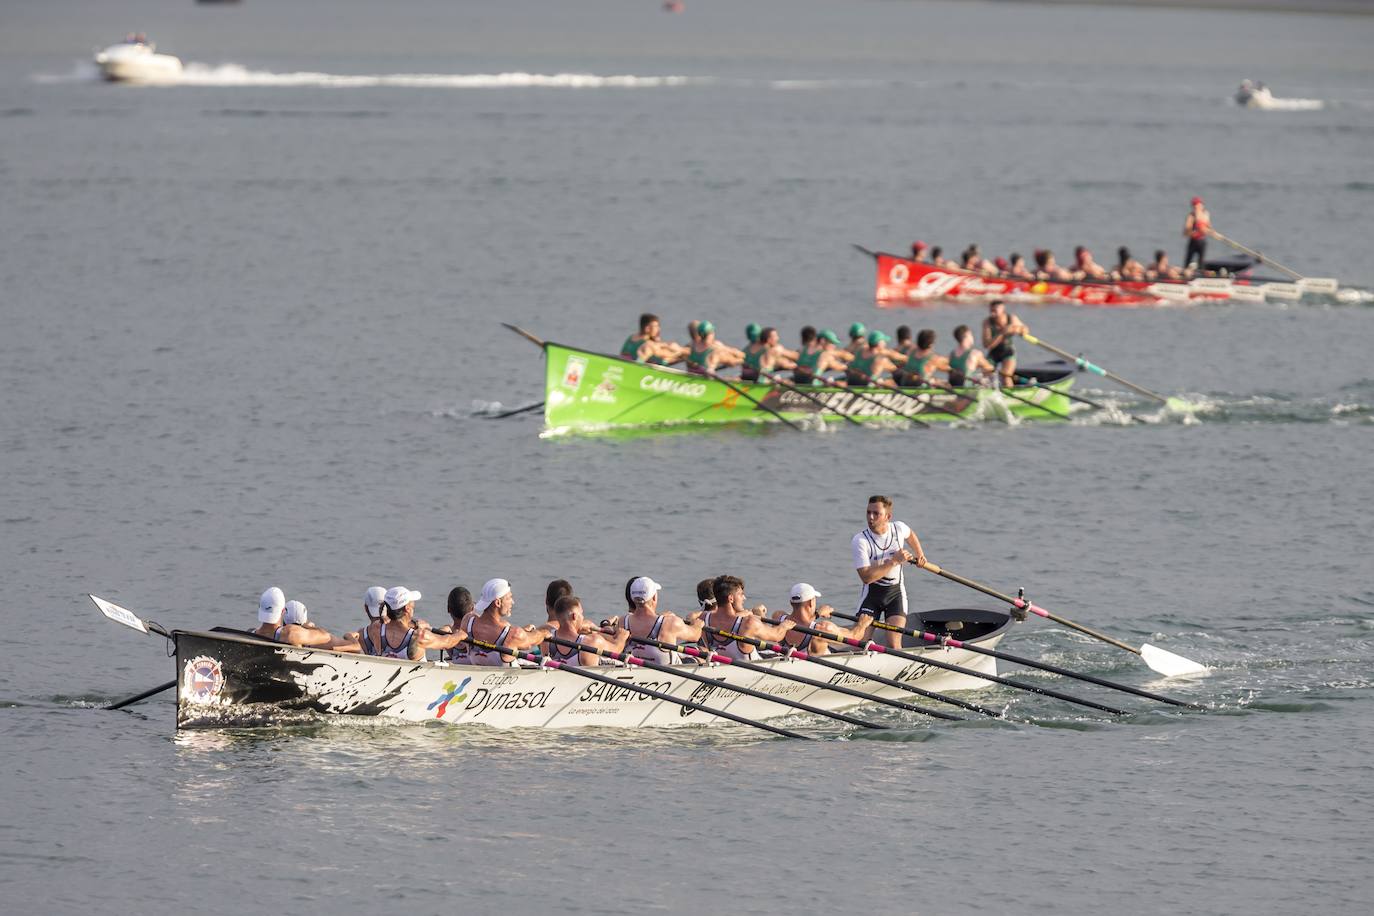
(870, 358)
(393, 631)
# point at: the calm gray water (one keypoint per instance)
(247, 322)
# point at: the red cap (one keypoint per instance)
(1001, 263)
(1197, 200)
(919, 245)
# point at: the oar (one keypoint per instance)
(906, 416)
(778, 380)
(525, 334)
(697, 652)
(862, 250)
(142, 696)
(1165, 662)
(1080, 362)
(793, 652)
(637, 688)
(1036, 383)
(935, 663)
(1019, 660)
(511, 413)
(1262, 258)
(629, 659)
(744, 394)
(1008, 393)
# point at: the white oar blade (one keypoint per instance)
(119, 614)
(1169, 664)
(1247, 294)
(1288, 292)
(1326, 285)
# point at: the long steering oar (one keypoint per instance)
(1265, 259)
(1028, 662)
(793, 652)
(1161, 660)
(142, 696)
(629, 659)
(783, 383)
(697, 652)
(636, 688)
(1080, 362)
(936, 663)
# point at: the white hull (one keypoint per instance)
(226, 679)
(137, 63)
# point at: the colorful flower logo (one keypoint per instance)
(452, 694)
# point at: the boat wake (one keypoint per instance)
(1352, 405)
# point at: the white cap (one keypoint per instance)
(270, 606)
(399, 596)
(643, 588)
(803, 591)
(295, 613)
(372, 600)
(494, 589)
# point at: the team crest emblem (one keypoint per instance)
(573, 371)
(452, 694)
(202, 680)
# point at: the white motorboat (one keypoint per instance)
(1257, 95)
(135, 60)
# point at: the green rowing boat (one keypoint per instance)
(585, 391)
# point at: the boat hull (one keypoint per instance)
(586, 391)
(229, 679)
(136, 63)
(902, 281)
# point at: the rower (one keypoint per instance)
(645, 622)
(459, 607)
(372, 608)
(966, 359)
(1197, 226)
(858, 338)
(999, 329)
(1127, 267)
(296, 631)
(880, 552)
(1047, 268)
(732, 617)
(918, 251)
(922, 362)
(399, 634)
(555, 590)
(805, 613)
(938, 259)
(751, 331)
(706, 594)
(1017, 269)
(708, 354)
(765, 355)
(491, 624)
(572, 626)
(874, 362)
(1085, 268)
(822, 355)
(648, 347)
(1161, 269)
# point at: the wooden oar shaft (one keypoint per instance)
(627, 658)
(1094, 368)
(525, 334)
(935, 663)
(1255, 254)
(804, 656)
(1028, 662)
(638, 688)
(142, 696)
(1026, 605)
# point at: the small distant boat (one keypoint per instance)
(135, 60)
(1257, 95)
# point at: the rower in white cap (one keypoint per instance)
(645, 622)
(372, 607)
(805, 613)
(397, 634)
(491, 624)
(288, 622)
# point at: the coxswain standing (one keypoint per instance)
(766, 355)
(491, 624)
(733, 618)
(573, 627)
(645, 622)
(999, 329)
(1197, 226)
(708, 354)
(874, 363)
(805, 613)
(966, 359)
(880, 552)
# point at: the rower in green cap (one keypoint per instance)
(857, 338)
(874, 362)
(709, 354)
(820, 353)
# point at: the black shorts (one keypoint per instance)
(882, 601)
(1001, 353)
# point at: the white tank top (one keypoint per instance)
(479, 656)
(654, 653)
(740, 652)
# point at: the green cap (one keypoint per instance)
(857, 330)
(829, 335)
(876, 338)
(704, 328)
(752, 332)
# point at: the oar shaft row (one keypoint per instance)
(1094, 368)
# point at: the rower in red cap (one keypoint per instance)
(918, 250)
(1196, 228)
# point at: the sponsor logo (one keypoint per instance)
(604, 392)
(497, 680)
(840, 679)
(452, 694)
(202, 680)
(899, 273)
(573, 370)
(483, 700)
(672, 386)
(912, 672)
(700, 695)
(616, 693)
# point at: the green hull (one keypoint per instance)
(593, 391)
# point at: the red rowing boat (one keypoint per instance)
(902, 281)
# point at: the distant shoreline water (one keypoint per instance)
(1341, 7)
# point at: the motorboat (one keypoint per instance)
(1257, 95)
(136, 60)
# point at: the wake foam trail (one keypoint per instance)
(237, 75)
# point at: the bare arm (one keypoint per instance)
(870, 574)
(915, 544)
(679, 630)
(757, 628)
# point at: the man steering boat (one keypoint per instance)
(881, 551)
